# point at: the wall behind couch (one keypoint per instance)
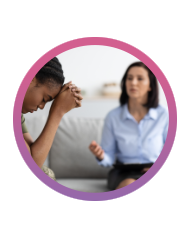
(91, 66)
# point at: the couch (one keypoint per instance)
(70, 159)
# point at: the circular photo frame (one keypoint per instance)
(87, 42)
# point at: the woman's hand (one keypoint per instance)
(76, 92)
(68, 98)
(96, 150)
(64, 102)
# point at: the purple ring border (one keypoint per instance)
(103, 42)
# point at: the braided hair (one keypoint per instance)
(51, 73)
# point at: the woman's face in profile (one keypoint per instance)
(38, 95)
(137, 83)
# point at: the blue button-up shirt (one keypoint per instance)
(132, 142)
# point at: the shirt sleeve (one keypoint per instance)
(24, 128)
(108, 143)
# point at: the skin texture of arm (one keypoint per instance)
(28, 140)
(40, 148)
(63, 103)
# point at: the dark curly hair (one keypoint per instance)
(153, 97)
(51, 73)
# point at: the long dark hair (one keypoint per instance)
(51, 73)
(153, 97)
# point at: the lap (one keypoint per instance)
(116, 176)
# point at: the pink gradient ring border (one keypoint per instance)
(103, 42)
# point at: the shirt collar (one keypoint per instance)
(152, 113)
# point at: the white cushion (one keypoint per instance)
(70, 156)
(85, 185)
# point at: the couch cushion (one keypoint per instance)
(69, 156)
(85, 185)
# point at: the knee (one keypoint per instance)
(48, 172)
(125, 183)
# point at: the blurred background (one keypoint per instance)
(97, 70)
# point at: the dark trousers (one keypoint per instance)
(115, 176)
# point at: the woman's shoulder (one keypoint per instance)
(22, 118)
(114, 115)
(114, 112)
(162, 109)
(162, 114)
(24, 128)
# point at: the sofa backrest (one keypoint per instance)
(70, 156)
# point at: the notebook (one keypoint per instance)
(132, 166)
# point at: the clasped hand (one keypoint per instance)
(76, 92)
(68, 98)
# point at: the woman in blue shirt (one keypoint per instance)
(136, 131)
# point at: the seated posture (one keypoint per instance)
(46, 86)
(136, 131)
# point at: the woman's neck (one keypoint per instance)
(136, 109)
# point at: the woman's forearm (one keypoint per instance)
(64, 102)
(41, 147)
